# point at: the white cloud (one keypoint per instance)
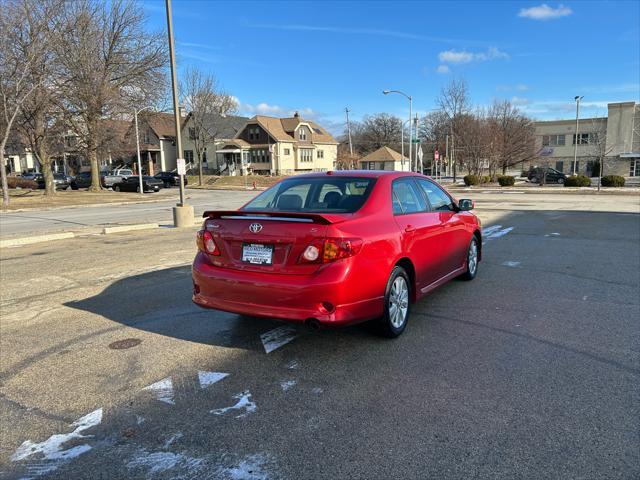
(264, 108)
(443, 69)
(521, 87)
(545, 12)
(461, 57)
(519, 100)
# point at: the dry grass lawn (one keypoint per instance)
(215, 182)
(36, 199)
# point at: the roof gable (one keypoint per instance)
(383, 154)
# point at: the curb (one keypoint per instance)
(13, 242)
(128, 228)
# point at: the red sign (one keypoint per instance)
(436, 155)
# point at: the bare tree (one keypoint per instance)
(22, 46)
(512, 135)
(474, 143)
(111, 63)
(41, 120)
(375, 131)
(454, 103)
(205, 100)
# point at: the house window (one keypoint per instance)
(634, 168)
(146, 137)
(287, 151)
(192, 133)
(583, 139)
(553, 140)
(259, 156)
(302, 134)
(188, 156)
(372, 166)
(306, 155)
(254, 133)
(320, 153)
(560, 166)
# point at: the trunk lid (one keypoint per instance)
(266, 242)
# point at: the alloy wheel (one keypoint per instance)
(473, 257)
(398, 302)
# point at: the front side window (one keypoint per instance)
(314, 195)
(439, 200)
(407, 197)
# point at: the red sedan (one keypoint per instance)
(336, 248)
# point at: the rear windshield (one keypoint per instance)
(314, 195)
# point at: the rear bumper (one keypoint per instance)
(324, 296)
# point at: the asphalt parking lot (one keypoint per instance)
(530, 371)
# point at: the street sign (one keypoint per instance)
(415, 140)
(182, 167)
(436, 155)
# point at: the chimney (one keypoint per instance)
(183, 112)
(296, 115)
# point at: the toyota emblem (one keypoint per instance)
(255, 228)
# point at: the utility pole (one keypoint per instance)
(418, 169)
(182, 213)
(446, 149)
(349, 131)
(577, 98)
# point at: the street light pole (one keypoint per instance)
(182, 213)
(575, 141)
(386, 92)
(135, 117)
(349, 131)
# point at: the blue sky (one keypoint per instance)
(319, 57)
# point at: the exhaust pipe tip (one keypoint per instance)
(313, 323)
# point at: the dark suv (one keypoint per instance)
(536, 174)
(83, 180)
(169, 179)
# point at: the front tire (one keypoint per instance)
(397, 303)
(561, 181)
(473, 259)
(117, 188)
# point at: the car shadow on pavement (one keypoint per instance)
(160, 302)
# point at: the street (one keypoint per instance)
(529, 371)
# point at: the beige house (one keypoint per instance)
(614, 140)
(278, 146)
(214, 130)
(384, 158)
(18, 158)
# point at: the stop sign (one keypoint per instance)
(436, 155)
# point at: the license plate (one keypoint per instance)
(257, 253)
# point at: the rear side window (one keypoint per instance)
(439, 200)
(314, 195)
(407, 198)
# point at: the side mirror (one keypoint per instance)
(465, 205)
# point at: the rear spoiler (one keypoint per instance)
(267, 216)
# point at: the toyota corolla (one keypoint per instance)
(336, 248)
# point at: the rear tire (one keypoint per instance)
(535, 180)
(397, 304)
(117, 188)
(472, 260)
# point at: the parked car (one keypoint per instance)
(169, 179)
(83, 180)
(535, 174)
(336, 248)
(109, 179)
(132, 184)
(60, 181)
(30, 175)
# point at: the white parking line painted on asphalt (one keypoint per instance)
(511, 263)
(172, 439)
(51, 451)
(278, 337)
(244, 403)
(209, 378)
(162, 390)
(552, 234)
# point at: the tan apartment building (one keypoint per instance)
(278, 146)
(613, 140)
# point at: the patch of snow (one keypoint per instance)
(499, 233)
(292, 365)
(51, 449)
(244, 403)
(488, 230)
(209, 378)
(162, 390)
(317, 391)
(250, 468)
(287, 385)
(277, 337)
(511, 263)
(158, 462)
(172, 439)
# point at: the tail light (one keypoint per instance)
(330, 250)
(206, 243)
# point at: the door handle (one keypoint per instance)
(409, 228)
